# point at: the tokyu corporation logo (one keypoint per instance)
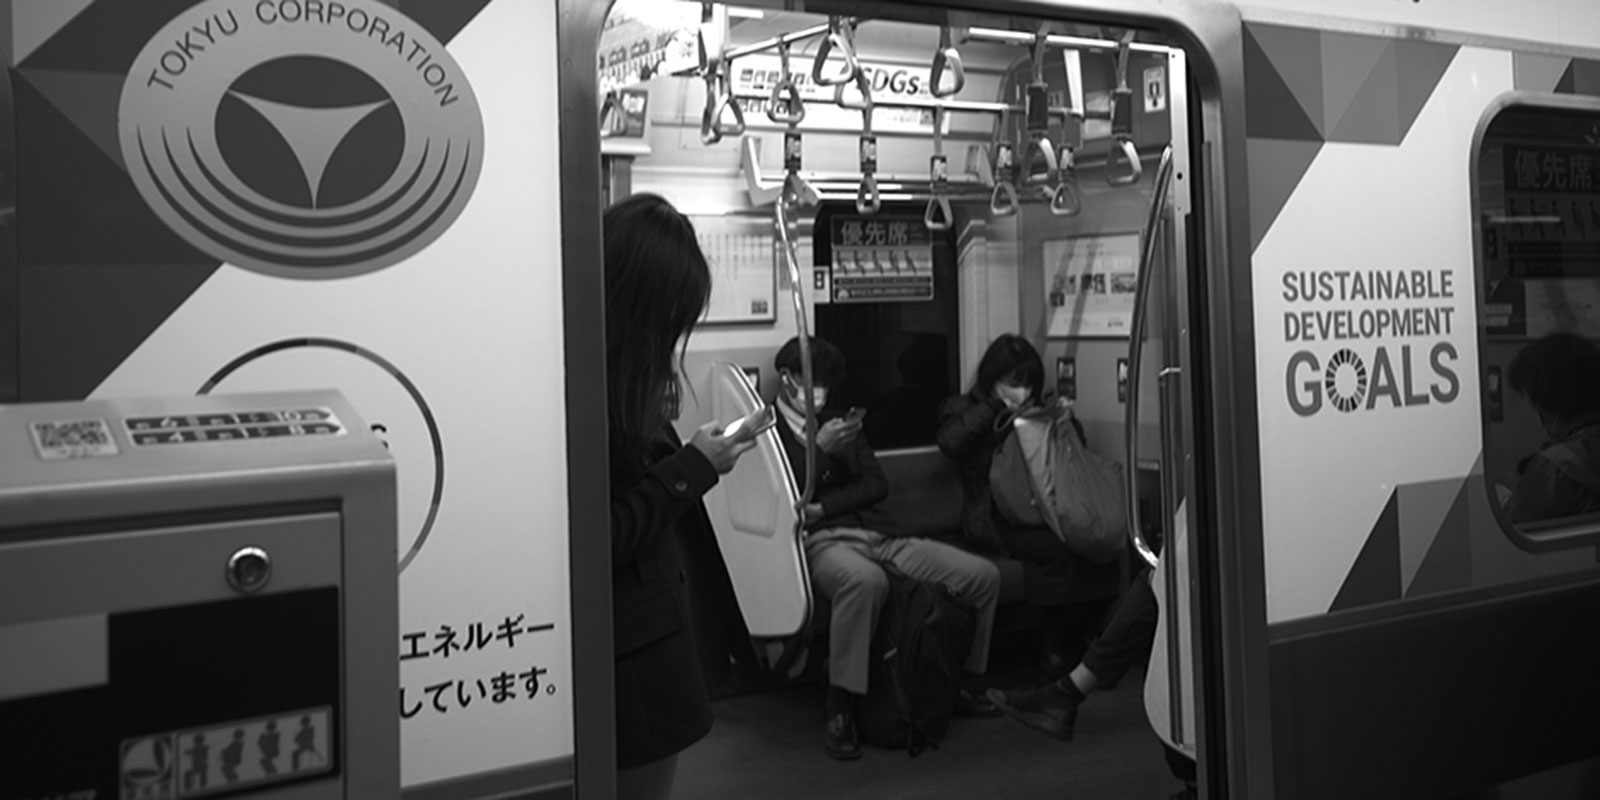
(301, 138)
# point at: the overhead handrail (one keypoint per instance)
(1141, 299)
(868, 200)
(947, 57)
(938, 216)
(1002, 36)
(841, 35)
(793, 107)
(1122, 123)
(1037, 117)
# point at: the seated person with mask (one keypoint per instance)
(1560, 376)
(848, 536)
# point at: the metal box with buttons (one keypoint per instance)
(198, 596)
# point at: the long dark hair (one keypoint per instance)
(1010, 356)
(657, 286)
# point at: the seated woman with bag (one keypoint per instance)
(972, 429)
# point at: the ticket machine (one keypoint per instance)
(198, 597)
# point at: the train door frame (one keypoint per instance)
(1229, 618)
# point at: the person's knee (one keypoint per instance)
(983, 581)
(864, 583)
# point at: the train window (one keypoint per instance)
(1537, 193)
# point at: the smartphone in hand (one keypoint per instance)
(752, 424)
(855, 414)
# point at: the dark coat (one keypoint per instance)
(675, 618)
(968, 437)
(850, 484)
(1563, 478)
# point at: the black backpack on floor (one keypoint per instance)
(924, 635)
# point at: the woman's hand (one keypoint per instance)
(810, 512)
(722, 451)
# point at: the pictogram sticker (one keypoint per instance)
(199, 762)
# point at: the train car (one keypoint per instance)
(1282, 259)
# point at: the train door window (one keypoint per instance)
(893, 314)
(1537, 192)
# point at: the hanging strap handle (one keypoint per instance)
(719, 98)
(1003, 200)
(1037, 115)
(1122, 124)
(841, 35)
(790, 110)
(938, 216)
(1065, 200)
(868, 199)
(947, 57)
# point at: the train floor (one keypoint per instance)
(767, 744)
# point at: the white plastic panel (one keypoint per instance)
(753, 511)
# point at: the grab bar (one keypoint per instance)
(797, 295)
(1141, 313)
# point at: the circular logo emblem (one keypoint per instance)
(1345, 380)
(298, 138)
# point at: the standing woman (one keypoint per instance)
(675, 620)
(1064, 585)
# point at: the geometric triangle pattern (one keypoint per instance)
(1448, 564)
(95, 258)
(1582, 78)
(33, 23)
(1348, 62)
(1423, 508)
(1304, 88)
(1375, 575)
(1372, 114)
(1282, 91)
(89, 99)
(1276, 167)
(1532, 72)
(105, 37)
(1346, 87)
(1419, 66)
(121, 304)
(442, 18)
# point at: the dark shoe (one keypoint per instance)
(839, 740)
(972, 705)
(1045, 707)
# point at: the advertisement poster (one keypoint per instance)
(1090, 283)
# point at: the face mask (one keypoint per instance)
(1014, 396)
(819, 394)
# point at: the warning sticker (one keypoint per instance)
(223, 758)
(78, 438)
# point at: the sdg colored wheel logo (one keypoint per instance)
(301, 139)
